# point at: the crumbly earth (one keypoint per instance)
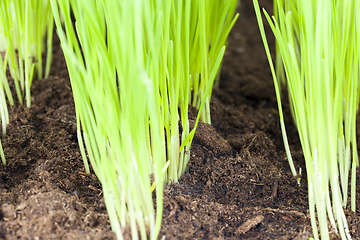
(238, 184)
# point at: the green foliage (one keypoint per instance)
(219, 18)
(133, 65)
(319, 45)
(22, 38)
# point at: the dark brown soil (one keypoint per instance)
(238, 186)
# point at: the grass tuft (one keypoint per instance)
(319, 46)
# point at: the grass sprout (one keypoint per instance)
(219, 18)
(190, 37)
(319, 45)
(24, 37)
(131, 71)
(108, 54)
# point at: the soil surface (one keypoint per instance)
(238, 186)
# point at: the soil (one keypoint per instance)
(238, 185)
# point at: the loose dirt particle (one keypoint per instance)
(246, 226)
